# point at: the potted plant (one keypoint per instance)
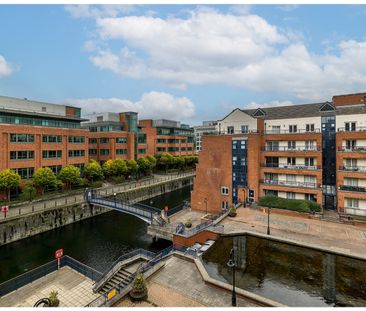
(54, 301)
(139, 289)
(232, 211)
(188, 223)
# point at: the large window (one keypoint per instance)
(38, 121)
(76, 153)
(161, 140)
(104, 140)
(121, 151)
(104, 152)
(161, 149)
(173, 149)
(92, 140)
(52, 138)
(350, 126)
(76, 139)
(353, 203)
(55, 168)
(51, 154)
(25, 173)
(121, 140)
(93, 152)
(142, 151)
(173, 141)
(21, 155)
(22, 138)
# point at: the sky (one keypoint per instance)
(182, 62)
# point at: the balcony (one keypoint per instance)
(356, 129)
(291, 167)
(299, 131)
(353, 168)
(216, 133)
(290, 149)
(353, 188)
(353, 149)
(289, 183)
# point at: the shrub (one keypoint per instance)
(53, 297)
(28, 193)
(302, 206)
(188, 223)
(139, 284)
(232, 212)
(118, 179)
(96, 184)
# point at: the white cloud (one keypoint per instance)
(108, 10)
(5, 68)
(244, 51)
(273, 103)
(155, 105)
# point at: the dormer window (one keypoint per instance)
(259, 113)
(327, 107)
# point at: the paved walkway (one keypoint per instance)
(179, 284)
(50, 203)
(341, 237)
(74, 290)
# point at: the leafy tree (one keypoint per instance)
(179, 162)
(144, 166)
(107, 168)
(29, 192)
(165, 160)
(132, 167)
(93, 171)
(118, 167)
(70, 175)
(152, 161)
(44, 177)
(9, 180)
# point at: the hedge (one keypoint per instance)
(302, 206)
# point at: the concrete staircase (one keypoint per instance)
(122, 278)
(331, 216)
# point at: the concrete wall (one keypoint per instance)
(300, 122)
(237, 119)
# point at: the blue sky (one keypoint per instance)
(186, 62)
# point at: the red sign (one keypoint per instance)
(59, 253)
(5, 209)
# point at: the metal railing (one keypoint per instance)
(293, 167)
(178, 208)
(352, 188)
(41, 271)
(352, 149)
(298, 131)
(234, 132)
(290, 183)
(353, 168)
(290, 149)
(356, 129)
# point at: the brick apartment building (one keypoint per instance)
(311, 152)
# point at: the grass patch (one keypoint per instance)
(302, 206)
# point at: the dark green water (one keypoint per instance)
(289, 274)
(96, 241)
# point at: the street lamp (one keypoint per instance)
(205, 200)
(115, 199)
(231, 265)
(268, 212)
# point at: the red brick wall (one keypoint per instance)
(200, 237)
(351, 99)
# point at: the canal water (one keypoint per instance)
(97, 241)
(293, 275)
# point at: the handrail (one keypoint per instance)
(289, 183)
(353, 149)
(294, 167)
(357, 129)
(352, 168)
(352, 188)
(284, 148)
(298, 131)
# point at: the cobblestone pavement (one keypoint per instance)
(74, 290)
(341, 237)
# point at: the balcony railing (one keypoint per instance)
(353, 149)
(215, 133)
(357, 129)
(284, 148)
(292, 167)
(353, 188)
(353, 168)
(299, 131)
(289, 183)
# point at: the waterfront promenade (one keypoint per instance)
(50, 203)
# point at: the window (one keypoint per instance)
(181, 149)
(310, 127)
(104, 140)
(309, 161)
(76, 139)
(93, 152)
(292, 128)
(99, 118)
(310, 197)
(244, 129)
(273, 145)
(55, 168)
(350, 144)
(141, 139)
(290, 195)
(173, 149)
(291, 145)
(121, 151)
(291, 179)
(224, 205)
(51, 154)
(52, 138)
(104, 152)
(353, 182)
(25, 173)
(161, 140)
(121, 140)
(224, 190)
(161, 149)
(173, 141)
(21, 155)
(276, 129)
(352, 203)
(310, 180)
(230, 130)
(22, 138)
(183, 141)
(351, 163)
(142, 151)
(309, 145)
(76, 153)
(350, 126)
(291, 161)
(92, 140)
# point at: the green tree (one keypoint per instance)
(165, 161)
(144, 166)
(44, 177)
(93, 171)
(179, 162)
(29, 192)
(107, 168)
(9, 180)
(152, 161)
(118, 167)
(132, 167)
(70, 175)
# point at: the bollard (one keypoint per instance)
(65, 200)
(20, 212)
(44, 205)
(32, 208)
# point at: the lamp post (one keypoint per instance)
(231, 264)
(268, 229)
(115, 199)
(205, 200)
